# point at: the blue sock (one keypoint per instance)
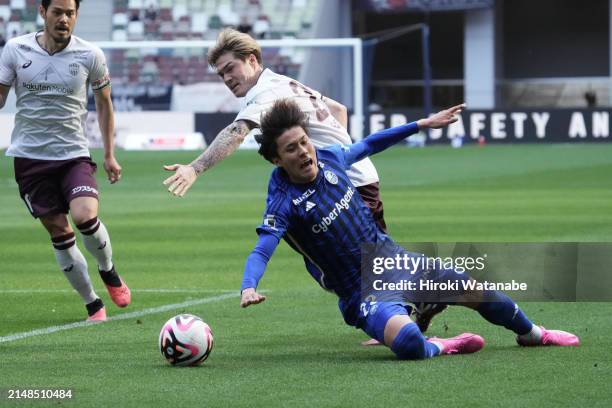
(410, 344)
(499, 309)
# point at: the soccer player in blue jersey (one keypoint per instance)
(313, 206)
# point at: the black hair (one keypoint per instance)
(46, 3)
(284, 115)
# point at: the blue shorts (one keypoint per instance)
(370, 310)
(371, 316)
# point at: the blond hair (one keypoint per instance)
(240, 44)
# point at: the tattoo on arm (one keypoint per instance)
(224, 144)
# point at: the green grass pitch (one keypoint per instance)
(294, 349)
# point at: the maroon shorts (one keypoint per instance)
(370, 194)
(48, 186)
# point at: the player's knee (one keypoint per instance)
(84, 214)
(409, 344)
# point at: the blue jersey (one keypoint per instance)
(326, 221)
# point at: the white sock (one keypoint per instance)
(97, 241)
(438, 345)
(73, 264)
(533, 337)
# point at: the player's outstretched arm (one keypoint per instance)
(106, 121)
(4, 91)
(224, 144)
(379, 141)
(255, 267)
(442, 119)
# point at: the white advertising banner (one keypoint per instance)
(149, 130)
(205, 97)
(161, 141)
(169, 128)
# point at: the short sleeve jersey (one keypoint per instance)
(51, 92)
(323, 128)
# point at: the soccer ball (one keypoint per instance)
(185, 340)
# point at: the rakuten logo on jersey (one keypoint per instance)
(86, 189)
(340, 206)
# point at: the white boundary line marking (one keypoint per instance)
(139, 313)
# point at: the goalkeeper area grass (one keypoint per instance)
(187, 256)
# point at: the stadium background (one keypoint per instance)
(508, 60)
(545, 57)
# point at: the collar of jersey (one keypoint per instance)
(40, 47)
(260, 86)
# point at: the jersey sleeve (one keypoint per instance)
(271, 230)
(252, 113)
(99, 76)
(258, 260)
(376, 142)
(7, 64)
(349, 154)
(276, 216)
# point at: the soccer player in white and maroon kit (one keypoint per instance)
(51, 71)
(237, 59)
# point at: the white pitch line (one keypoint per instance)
(139, 313)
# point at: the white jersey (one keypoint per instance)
(51, 95)
(323, 128)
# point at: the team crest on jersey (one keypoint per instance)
(74, 69)
(331, 177)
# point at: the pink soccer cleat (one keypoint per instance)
(121, 296)
(464, 343)
(99, 316)
(552, 338)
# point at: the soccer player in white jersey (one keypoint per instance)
(237, 58)
(51, 71)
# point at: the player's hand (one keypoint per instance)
(250, 297)
(183, 178)
(442, 118)
(113, 169)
